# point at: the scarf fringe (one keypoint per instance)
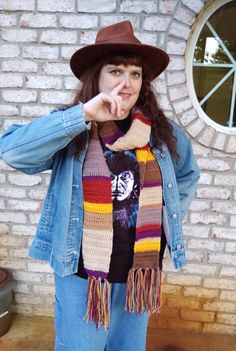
(98, 302)
(143, 291)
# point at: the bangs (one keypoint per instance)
(126, 59)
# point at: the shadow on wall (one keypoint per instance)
(170, 347)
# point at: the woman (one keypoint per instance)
(122, 180)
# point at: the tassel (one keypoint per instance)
(143, 291)
(98, 302)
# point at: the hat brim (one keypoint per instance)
(155, 59)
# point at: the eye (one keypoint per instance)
(136, 74)
(115, 72)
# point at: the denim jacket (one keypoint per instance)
(45, 144)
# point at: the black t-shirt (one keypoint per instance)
(124, 173)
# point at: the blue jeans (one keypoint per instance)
(127, 331)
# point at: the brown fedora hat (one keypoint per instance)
(118, 37)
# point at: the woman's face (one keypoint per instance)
(111, 75)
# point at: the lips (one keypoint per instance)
(125, 95)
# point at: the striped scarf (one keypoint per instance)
(143, 284)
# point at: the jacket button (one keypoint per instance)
(179, 246)
(174, 215)
(169, 185)
(162, 154)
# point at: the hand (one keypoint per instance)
(104, 107)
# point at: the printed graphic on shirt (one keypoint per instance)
(124, 172)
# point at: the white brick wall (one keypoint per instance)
(37, 39)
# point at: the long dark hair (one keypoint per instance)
(147, 102)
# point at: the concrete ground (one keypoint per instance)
(36, 334)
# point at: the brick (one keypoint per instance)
(207, 136)
(39, 267)
(2, 205)
(217, 283)
(184, 279)
(195, 231)
(225, 207)
(219, 329)
(19, 253)
(167, 7)
(196, 127)
(23, 230)
(10, 240)
(200, 269)
(34, 218)
(205, 244)
(176, 47)
(232, 222)
(185, 15)
(87, 37)
(219, 141)
(198, 205)
(222, 179)
(176, 64)
(79, 21)
(20, 205)
(200, 316)
(216, 165)
(177, 93)
(43, 82)
(96, 6)
(38, 20)
(56, 97)
(169, 313)
(205, 179)
(8, 110)
(11, 217)
(43, 290)
(194, 256)
(179, 30)
(222, 259)
(219, 306)
(41, 52)
(28, 299)
(107, 20)
(71, 83)
(209, 219)
(168, 289)
(181, 106)
(21, 288)
(201, 292)
(13, 264)
(58, 37)
(34, 111)
(2, 178)
(26, 310)
(50, 279)
(200, 150)
(67, 51)
(20, 35)
(17, 5)
(174, 78)
(56, 5)
(37, 194)
(157, 23)
(130, 6)
(231, 147)
(184, 302)
(213, 193)
(19, 95)
(23, 66)
(57, 68)
(24, 179)
(228, 272)
(7, 20)
(8, 51)
(226, 318)
(147, 38)
(10, 81)
(12, 193)
(194, 5)
(28, 276)
(228, 295)
(4, 229)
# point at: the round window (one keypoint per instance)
(213, 66)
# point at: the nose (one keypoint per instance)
(127, 79)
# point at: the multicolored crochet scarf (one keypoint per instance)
(143, 284)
